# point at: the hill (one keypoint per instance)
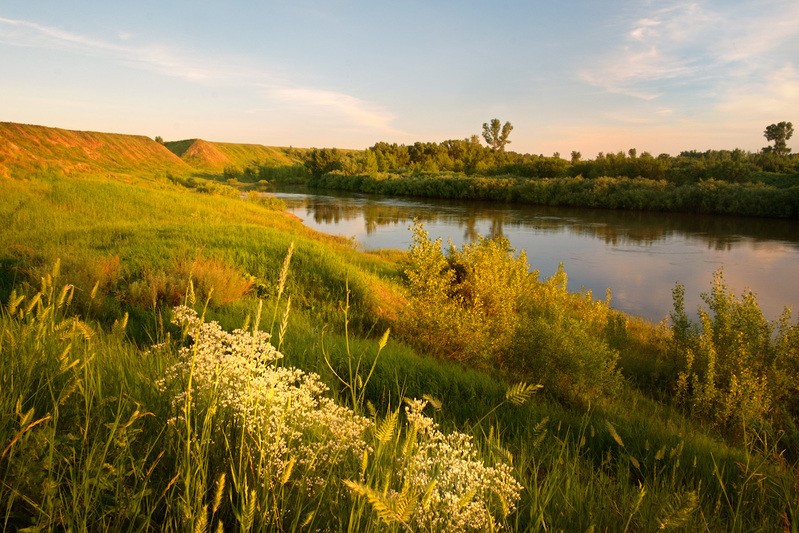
(27, 149)
(215, 156)
(99, 384)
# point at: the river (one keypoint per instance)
(639, 256)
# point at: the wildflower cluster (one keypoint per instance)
(462, 493)
(292, 426)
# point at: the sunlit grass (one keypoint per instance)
(85, 431)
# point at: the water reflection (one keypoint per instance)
(640, 256)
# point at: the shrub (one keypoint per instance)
(561, 342)
(569, 360)
(465, 305)
(214, 280)
(736, 369)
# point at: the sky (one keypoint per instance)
(589, 76)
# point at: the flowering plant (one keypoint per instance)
(293, 427)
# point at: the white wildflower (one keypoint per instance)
(283, 410)
(465, 490)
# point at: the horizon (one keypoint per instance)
(589, 78)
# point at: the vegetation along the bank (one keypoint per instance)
(715, 181)
(178, 355)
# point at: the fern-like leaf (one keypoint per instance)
(614, 433)
(384, 431)
(521, 392)
(433, 401)
(388, 510)
(678, 512)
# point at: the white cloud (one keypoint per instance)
(772, 97)
(696, 46)
(643, 29)
(351, 111)
(356, 110)
(158, 58)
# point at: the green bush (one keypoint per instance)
(736, 369)
(464, 306)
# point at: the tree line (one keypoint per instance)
(469, 156)
(735, 181)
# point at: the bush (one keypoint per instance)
(736, 369)
(561, 342)
(571, 363)
(464, 306)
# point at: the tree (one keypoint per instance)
(495, 135)
(779, 133)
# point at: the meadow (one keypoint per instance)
(177, 356)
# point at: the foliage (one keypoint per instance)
(74, 454)
(561, 343)
(86, 444)
(481, 306)
(735, 368)
(464, 306)
(495, 137)
(779, 133)
(437, 482)
(84, 440)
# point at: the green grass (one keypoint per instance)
(214, 157)
(85, 402)
(85, 432)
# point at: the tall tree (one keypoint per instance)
(779, 133)
(496, 135)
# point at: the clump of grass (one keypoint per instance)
(71, 438)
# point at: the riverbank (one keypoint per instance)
(102, 388)
(778, 199)
(639, 256)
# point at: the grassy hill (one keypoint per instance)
(96, 384)
(27, 149)
(213, 157)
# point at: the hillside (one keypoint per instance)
(27, 149)
(215, 156)
(147, 433)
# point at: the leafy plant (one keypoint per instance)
(464, 306)
(734, 365)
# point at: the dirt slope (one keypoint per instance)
(26, 149)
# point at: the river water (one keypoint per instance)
(639, 256)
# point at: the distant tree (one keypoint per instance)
(496, 135)
(324, 160)
(576, 156)
(779, 133)
(159, 139)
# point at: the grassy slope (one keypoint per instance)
(209, 156)
(148, 228)
(153, 226)
(27, 149)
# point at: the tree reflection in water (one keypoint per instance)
(639, 255)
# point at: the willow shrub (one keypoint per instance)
(464, 305)
(736, 369)
(563, 341)
(480, 305)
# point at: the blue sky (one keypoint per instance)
(591, 76)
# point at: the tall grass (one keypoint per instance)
(108, 426)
